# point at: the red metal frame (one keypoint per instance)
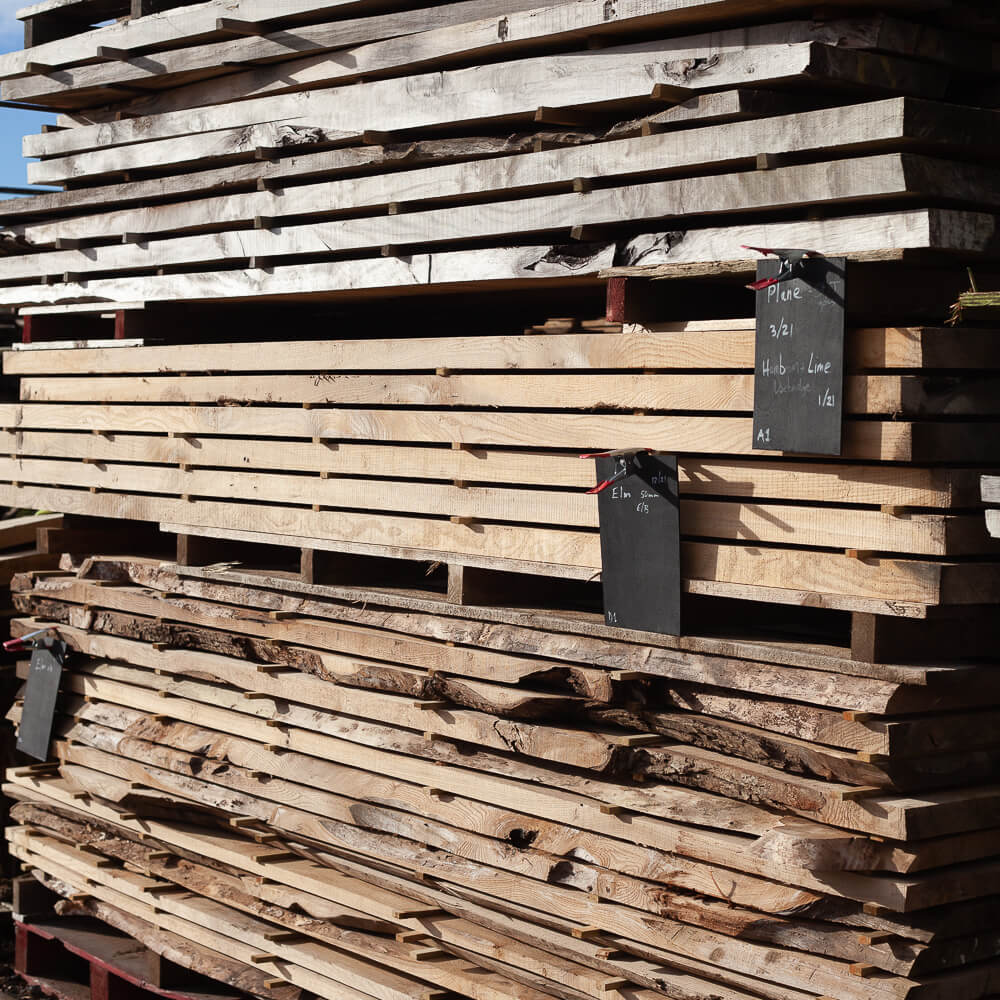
(64, 968)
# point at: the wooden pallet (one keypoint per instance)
(79, 958)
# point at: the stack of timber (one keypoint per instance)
(26, 543)
(430, 181)
(367, 735)
(253, 150)
(369, 448)
(373, 795)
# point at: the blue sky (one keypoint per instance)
(14, 124)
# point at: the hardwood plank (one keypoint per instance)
(866, 179)
(220, 147)
(863, 440)
(694, 345)
(298, 823)
(882, 122)
(669, 807)
(446, 972)
(480, 821)
(235, 851)
(544, 26)
(574, 634)
(915, 534)
(182, 952)
(886, 485)
(443, 927)
(733, 721)
(900, 817)
(303, 163)
(239, 938)
(458, 935)
(341, 667)
(478, 40)
(294, 873)
(230, 849)
(762, 669)
(565, 81)
(722, 992)
(547, 548)
(299, 874)
(509, 947)
(302, 797)
(753, 729)
(701, 688)
(938, 229)
(900, 395)
(785, 966)
(165, 29)
(802, 597)
(963, 127)
(433, 657)
(211, 59)
(760, 676)
(582, 747)
(158, 33)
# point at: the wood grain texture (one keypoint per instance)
(914, 534)
(873, 178)
(935, 229)
(702, 345)
(512, 88)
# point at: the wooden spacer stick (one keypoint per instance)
(860, 792)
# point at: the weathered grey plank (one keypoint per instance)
(853, 180)
(818, 132)
(883, 234)
(504, 89)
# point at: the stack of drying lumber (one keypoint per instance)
(28, 542)
(385, 797)
(255, 149)
(291, 156)
(366, 447)
(324, 233)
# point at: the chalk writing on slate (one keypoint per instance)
(40, 692)
(640, 542)
(799, 374)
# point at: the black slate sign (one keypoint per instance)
(640, 542)
(799, 374)
(40, 692)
